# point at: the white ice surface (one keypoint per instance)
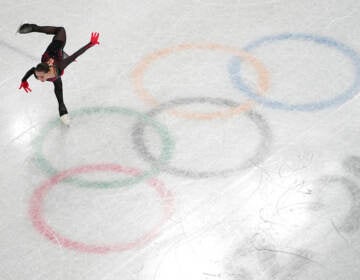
(291, 213)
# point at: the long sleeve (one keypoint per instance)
(28, 74)
(65, 62)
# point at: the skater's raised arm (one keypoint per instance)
(24, 84)
(94, 40)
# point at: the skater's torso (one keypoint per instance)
(55, 71)
(54, 52)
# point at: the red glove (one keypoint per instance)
(25, 86)
(94, 40)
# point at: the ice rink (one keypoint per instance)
(209, 140)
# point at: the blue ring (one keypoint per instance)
(235, 67)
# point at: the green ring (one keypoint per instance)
(168, 147)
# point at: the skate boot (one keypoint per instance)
(65, 119)
(26, 28)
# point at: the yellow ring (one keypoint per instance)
(141, 67)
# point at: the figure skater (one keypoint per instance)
(54, 61)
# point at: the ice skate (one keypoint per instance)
(26, 28)
(65, 119)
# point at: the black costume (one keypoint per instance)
(55, 50)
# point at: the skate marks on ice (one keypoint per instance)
(323, 197)
(350, 55)
(333, 199)
(302, 161)
(259, 156)
(213, 256)
(257, 257)
(351, 222)
(216, 256)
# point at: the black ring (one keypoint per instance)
(262, 151)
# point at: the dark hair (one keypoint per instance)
(42, 67)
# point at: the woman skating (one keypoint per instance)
(53, 61)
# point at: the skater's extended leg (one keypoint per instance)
(59, 32)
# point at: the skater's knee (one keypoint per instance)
(60, 29)
(60, 34)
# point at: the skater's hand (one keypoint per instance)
(25, 86)
(94, 40)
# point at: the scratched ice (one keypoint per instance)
(208, 140)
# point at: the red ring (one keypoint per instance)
(36, 202)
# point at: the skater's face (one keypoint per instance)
(42, 76)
